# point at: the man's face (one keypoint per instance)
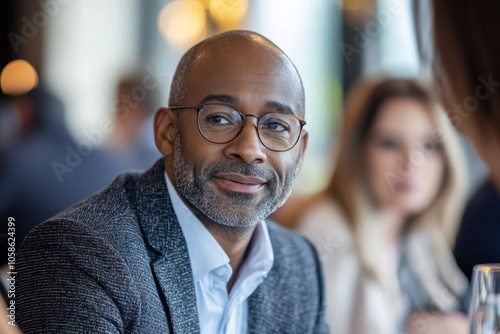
(241, 182)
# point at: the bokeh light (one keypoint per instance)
(183, 22)
(356, 5)
(18, 77)
(228, 14)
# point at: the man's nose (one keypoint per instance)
(247, 146)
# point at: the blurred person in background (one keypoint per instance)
(43, 169)
(131, 141)
(467, 72)
(384, 223)
(478, 238)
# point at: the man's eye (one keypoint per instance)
(276, 127)
(218, 119)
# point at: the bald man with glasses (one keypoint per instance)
(185, 247)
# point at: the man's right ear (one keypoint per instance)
(165, 128)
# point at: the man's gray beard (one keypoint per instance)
(234, 210)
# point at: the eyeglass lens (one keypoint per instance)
(221, 124)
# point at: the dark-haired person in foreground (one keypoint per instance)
(184, 247)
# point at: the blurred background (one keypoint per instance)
(81, 49)
(108, 66)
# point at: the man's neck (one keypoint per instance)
(234, 241)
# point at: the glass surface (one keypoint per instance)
(484, 310)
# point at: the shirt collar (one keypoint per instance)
(206, 254)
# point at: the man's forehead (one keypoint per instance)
(225, 55)
(256, 80)
(241, 64)
(235, 63)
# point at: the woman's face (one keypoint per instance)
(404, 164)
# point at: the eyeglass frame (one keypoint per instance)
(199, 107)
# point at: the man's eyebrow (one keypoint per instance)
(279, 107)
(219, 98)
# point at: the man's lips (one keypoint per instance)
(240, 183)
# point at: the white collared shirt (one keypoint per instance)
(218, 311)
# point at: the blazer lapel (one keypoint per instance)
(256, 310)
(170, 257)
(176, 284)
(262, 308)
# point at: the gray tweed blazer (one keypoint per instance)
(118, 263)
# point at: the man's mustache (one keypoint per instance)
(241, 168)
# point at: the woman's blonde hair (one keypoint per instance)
(348, 186)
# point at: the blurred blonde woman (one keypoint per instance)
(384, 223)
(464, 58)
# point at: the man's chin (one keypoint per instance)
(234, 219)
(238, 225)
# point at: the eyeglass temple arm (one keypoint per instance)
(182, 107)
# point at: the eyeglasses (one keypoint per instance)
(219, 123)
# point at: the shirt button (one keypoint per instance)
(221, 271)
